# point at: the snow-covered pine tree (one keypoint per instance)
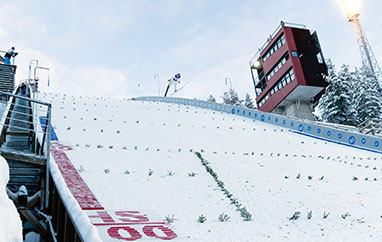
(211, 99)
(367, 94)
(248, 102)
(232, 98)
(336, 104)
(226, 98)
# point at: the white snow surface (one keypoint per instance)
(271, 171)
(10, 222)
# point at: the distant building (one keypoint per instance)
(288, 71)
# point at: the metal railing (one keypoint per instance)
(21, 135)
(371, 126)
(340, 134)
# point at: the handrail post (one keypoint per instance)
(49, 115)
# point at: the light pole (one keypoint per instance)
(30, 68)
(230, 83)
(156, 76)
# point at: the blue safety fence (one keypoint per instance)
(53, 135)
(348, 137)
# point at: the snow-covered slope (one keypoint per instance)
(141, 156)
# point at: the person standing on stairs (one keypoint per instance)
(8, 55)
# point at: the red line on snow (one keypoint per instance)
(81, 192)
(115, 224)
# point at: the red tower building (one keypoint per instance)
(288, 71)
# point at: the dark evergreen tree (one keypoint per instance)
(336, 104)
(248, 102)
(211, 99)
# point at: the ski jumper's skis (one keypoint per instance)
(168, 87)
(178, 89)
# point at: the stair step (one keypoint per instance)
(24, 171)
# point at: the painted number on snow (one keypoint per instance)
(128, 226)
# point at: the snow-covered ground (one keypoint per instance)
(10, 222)
(139, 156)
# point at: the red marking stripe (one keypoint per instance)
(112, 224)
(76, 185)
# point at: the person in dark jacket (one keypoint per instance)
(10, 53)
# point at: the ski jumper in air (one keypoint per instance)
(173, 81)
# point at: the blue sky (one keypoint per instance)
(114, 47)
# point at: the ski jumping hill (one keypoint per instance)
(215, 176)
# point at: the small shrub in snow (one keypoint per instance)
(245, 214)
(87, 145)
(298, 176)
(169, 219)
(107, 171)
(135, 147)
(344, 216)
(309, 216)
(192, 174)
(223, 217)
(355, 178)
(286, 177)
(150, 172)
(68, 128)
(326, 215)
(81, 169)
(170, 173)
(124, 147)
(295, 216)
(322, 178)
(110, 146)
(310, 177)
(99, 146)
(202, 219)
(127, 172)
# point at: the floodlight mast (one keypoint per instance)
(367, 54)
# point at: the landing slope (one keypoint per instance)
(141, 156)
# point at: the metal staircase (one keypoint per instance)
(25, 146)
(7, 78)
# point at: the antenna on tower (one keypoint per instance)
(352, 11)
